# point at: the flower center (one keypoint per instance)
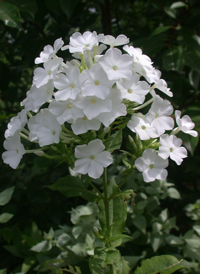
(143, 127)
(96, 82)
(157, 115)
(47, 91)
(114, 68)
(92, 157)
(151, 166)
(129, 90)
(70, 106)
(87, 45)
(53, 132)
(84, 118)
(17, 150)
(171, 149)
(49, 72)
(72, 86)
(93, 101)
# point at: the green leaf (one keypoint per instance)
(197, 229)
(52, 265)
(71, 186)
(118, 236)
(5, 217)
(164, 264)
(194, 78)
(192, 59)
(10, 15)
(112, 256)
(71, 269)
(42, 246)
(13, 250)
(141, 223)
(178, 4)
(189, 141)
(6, 195)
(27, 264)
(68, 6)
(29, 6)
(96, 263)
(3, 271)
(170, 13)
(173, 193)
(161, 29)
(174, 240)
(117, 213)
(115, 141)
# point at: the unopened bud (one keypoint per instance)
(106, 129)
(95, 229)
(39, 153)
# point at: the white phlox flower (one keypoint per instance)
(116, 65)
(152, 166)
(94, 82)
(36, 97)
(142, 63)
(49, 51)
(15, 151)
(82, 42)
(16, 124)
(43, 75)
(92, 106)
(185, 124)
(113, 42)
(141, 127)
(65, 111)
(68, 84)
(45, 127)
(158, 115)
(160, 83)
(82, 125)
(92, 159)
(133, 89)
(118, 108)
(170, 146)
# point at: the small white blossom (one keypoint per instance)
(82, 42)
(45, 127)
(116, 65)
(43, 75)
(113, 42)
(82, 125)
(65, 111)
(36, 97)
(152, 166)
(185, 124)
(68, 84)
(16, 124)
(92, 158)
(95, 82)
(158, 115)
(170, 146)
(143, 129)
(133, 89)
(15, 151)
(49, 51)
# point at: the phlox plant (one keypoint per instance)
(80, 111)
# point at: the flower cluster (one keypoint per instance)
(76, 105)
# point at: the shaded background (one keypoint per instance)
(167, 31)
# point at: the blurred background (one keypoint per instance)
(169, 33)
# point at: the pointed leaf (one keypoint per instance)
(10, 15)
(6, 195)
(5, 217)
(115, 141)
(164, 264)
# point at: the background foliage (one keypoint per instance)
(38, 224)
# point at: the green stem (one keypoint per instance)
(97, 191)
(119, 186)
(106, 201)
